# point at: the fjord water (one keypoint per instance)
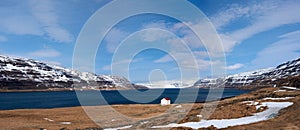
(27, 100)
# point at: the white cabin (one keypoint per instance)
(165, 101)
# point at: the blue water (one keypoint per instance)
(25, 100)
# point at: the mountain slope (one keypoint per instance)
(284, 74)
(19, 73)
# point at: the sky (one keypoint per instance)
(254, 34)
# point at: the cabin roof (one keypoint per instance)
(167, 98)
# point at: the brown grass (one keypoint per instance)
(145, 116)
(34, 118)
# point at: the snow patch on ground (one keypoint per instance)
(292, 88)
(66, 123)
(273, 109)
(260, 106)
(178, 106)
(119, 128)
(47, 119)
(285, 98)
(250, 103)
(144, 122)
(280, 91)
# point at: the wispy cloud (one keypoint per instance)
(197, 55)
(281, 51)
(15, 20)
(45, 12)
(187, 60)
(186, 37)
(114, 38)
(262, 17)
(185, 47)
(45, 53)
(233, 12)
(151, 36)
(234, 66)
(33, 17)
(270, 19)
(181, 30)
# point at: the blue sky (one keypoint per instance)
(255, 34)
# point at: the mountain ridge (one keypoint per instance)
(287, 74)
(22, 73)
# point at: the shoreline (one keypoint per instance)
(112, 89)
(58, 90)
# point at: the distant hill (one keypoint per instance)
(286, 74)
(20, 73)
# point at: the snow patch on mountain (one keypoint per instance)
(256, 77)
(21, 73)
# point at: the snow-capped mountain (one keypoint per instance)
(282, 74)
(20, 73)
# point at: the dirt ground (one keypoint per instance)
(74, 117)
(144, 116)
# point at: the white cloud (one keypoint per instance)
(262, 17)
(154, 31)
(45, 53)
(180, 29)
(45, 12)
(228, 42)
(186, 60)
(235, 66)
(33, 17)
(187, 35)
(197, 55)
(15, 19)
(250, 9)
(12, 25)
(154, 35)
(59, 34)
(192, 40)
(201, 54)
(53, 63)
(228, 15)
(3, 39)
(208, 38)
(287, 48)
(285, 13)
(114, 38)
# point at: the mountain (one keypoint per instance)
(20, 73)
(287, 74)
